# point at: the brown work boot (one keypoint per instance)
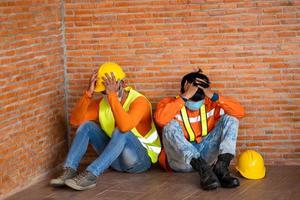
(67, 174)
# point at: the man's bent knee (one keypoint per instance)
(86, 126)
(171, 128)
(129, 158)
(229, 118)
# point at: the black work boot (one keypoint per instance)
(208, 179)
(222, 172)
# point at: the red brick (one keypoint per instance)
(254, 57)
(31, 56)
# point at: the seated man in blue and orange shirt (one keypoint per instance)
(199, 127)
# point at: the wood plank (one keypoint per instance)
(280, 183)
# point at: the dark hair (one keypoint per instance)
(191, 78)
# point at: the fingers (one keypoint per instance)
(186, 85)
(93, 79)
(108, 76)
(191, 86)
(113, 78)
(94, 76)
(202, 83)
(109, 79)
(106, 79)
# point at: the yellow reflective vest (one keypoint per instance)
(187, 125)
(150, 141)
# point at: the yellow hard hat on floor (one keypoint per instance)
(108, 67)
(251, 165)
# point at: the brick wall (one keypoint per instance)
(32, 115)
(250, 49)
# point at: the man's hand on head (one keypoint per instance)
(203, 85)
(92, 83)
(110, 82)
(189, 90)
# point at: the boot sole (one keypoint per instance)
(230, 186)
(79, 188)
(57, 184)
(213, 186)
(234, 184)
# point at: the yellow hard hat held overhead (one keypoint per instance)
(108, 67)
(250, 164)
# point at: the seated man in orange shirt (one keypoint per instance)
(119, 126)
(199, 126)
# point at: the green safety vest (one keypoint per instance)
(150, 141)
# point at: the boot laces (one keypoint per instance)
(66, 174)
(81, 176)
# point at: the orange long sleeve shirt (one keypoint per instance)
(169, 108)
(138, 115)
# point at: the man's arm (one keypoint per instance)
(167, 109)
(86, 108)
(126, 121)
(231, 106)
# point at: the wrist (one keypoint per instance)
(215, 97)
(209, 94)
(110, 92)
(184, 98)
(112, 95)
(89, 93)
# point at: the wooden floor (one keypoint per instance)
(280, 183)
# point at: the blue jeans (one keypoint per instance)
(123, 151)
(222, 139)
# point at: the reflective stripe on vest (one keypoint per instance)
(187, 123)
(198, 118)
(150, 141)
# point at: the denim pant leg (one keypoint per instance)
(114, 149)
(178, 149)
(222, 139)
(88, 132)
(134, 157)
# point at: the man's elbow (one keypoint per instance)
(74, 121)
(241, 113)
(161, 122)
(125, 128)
